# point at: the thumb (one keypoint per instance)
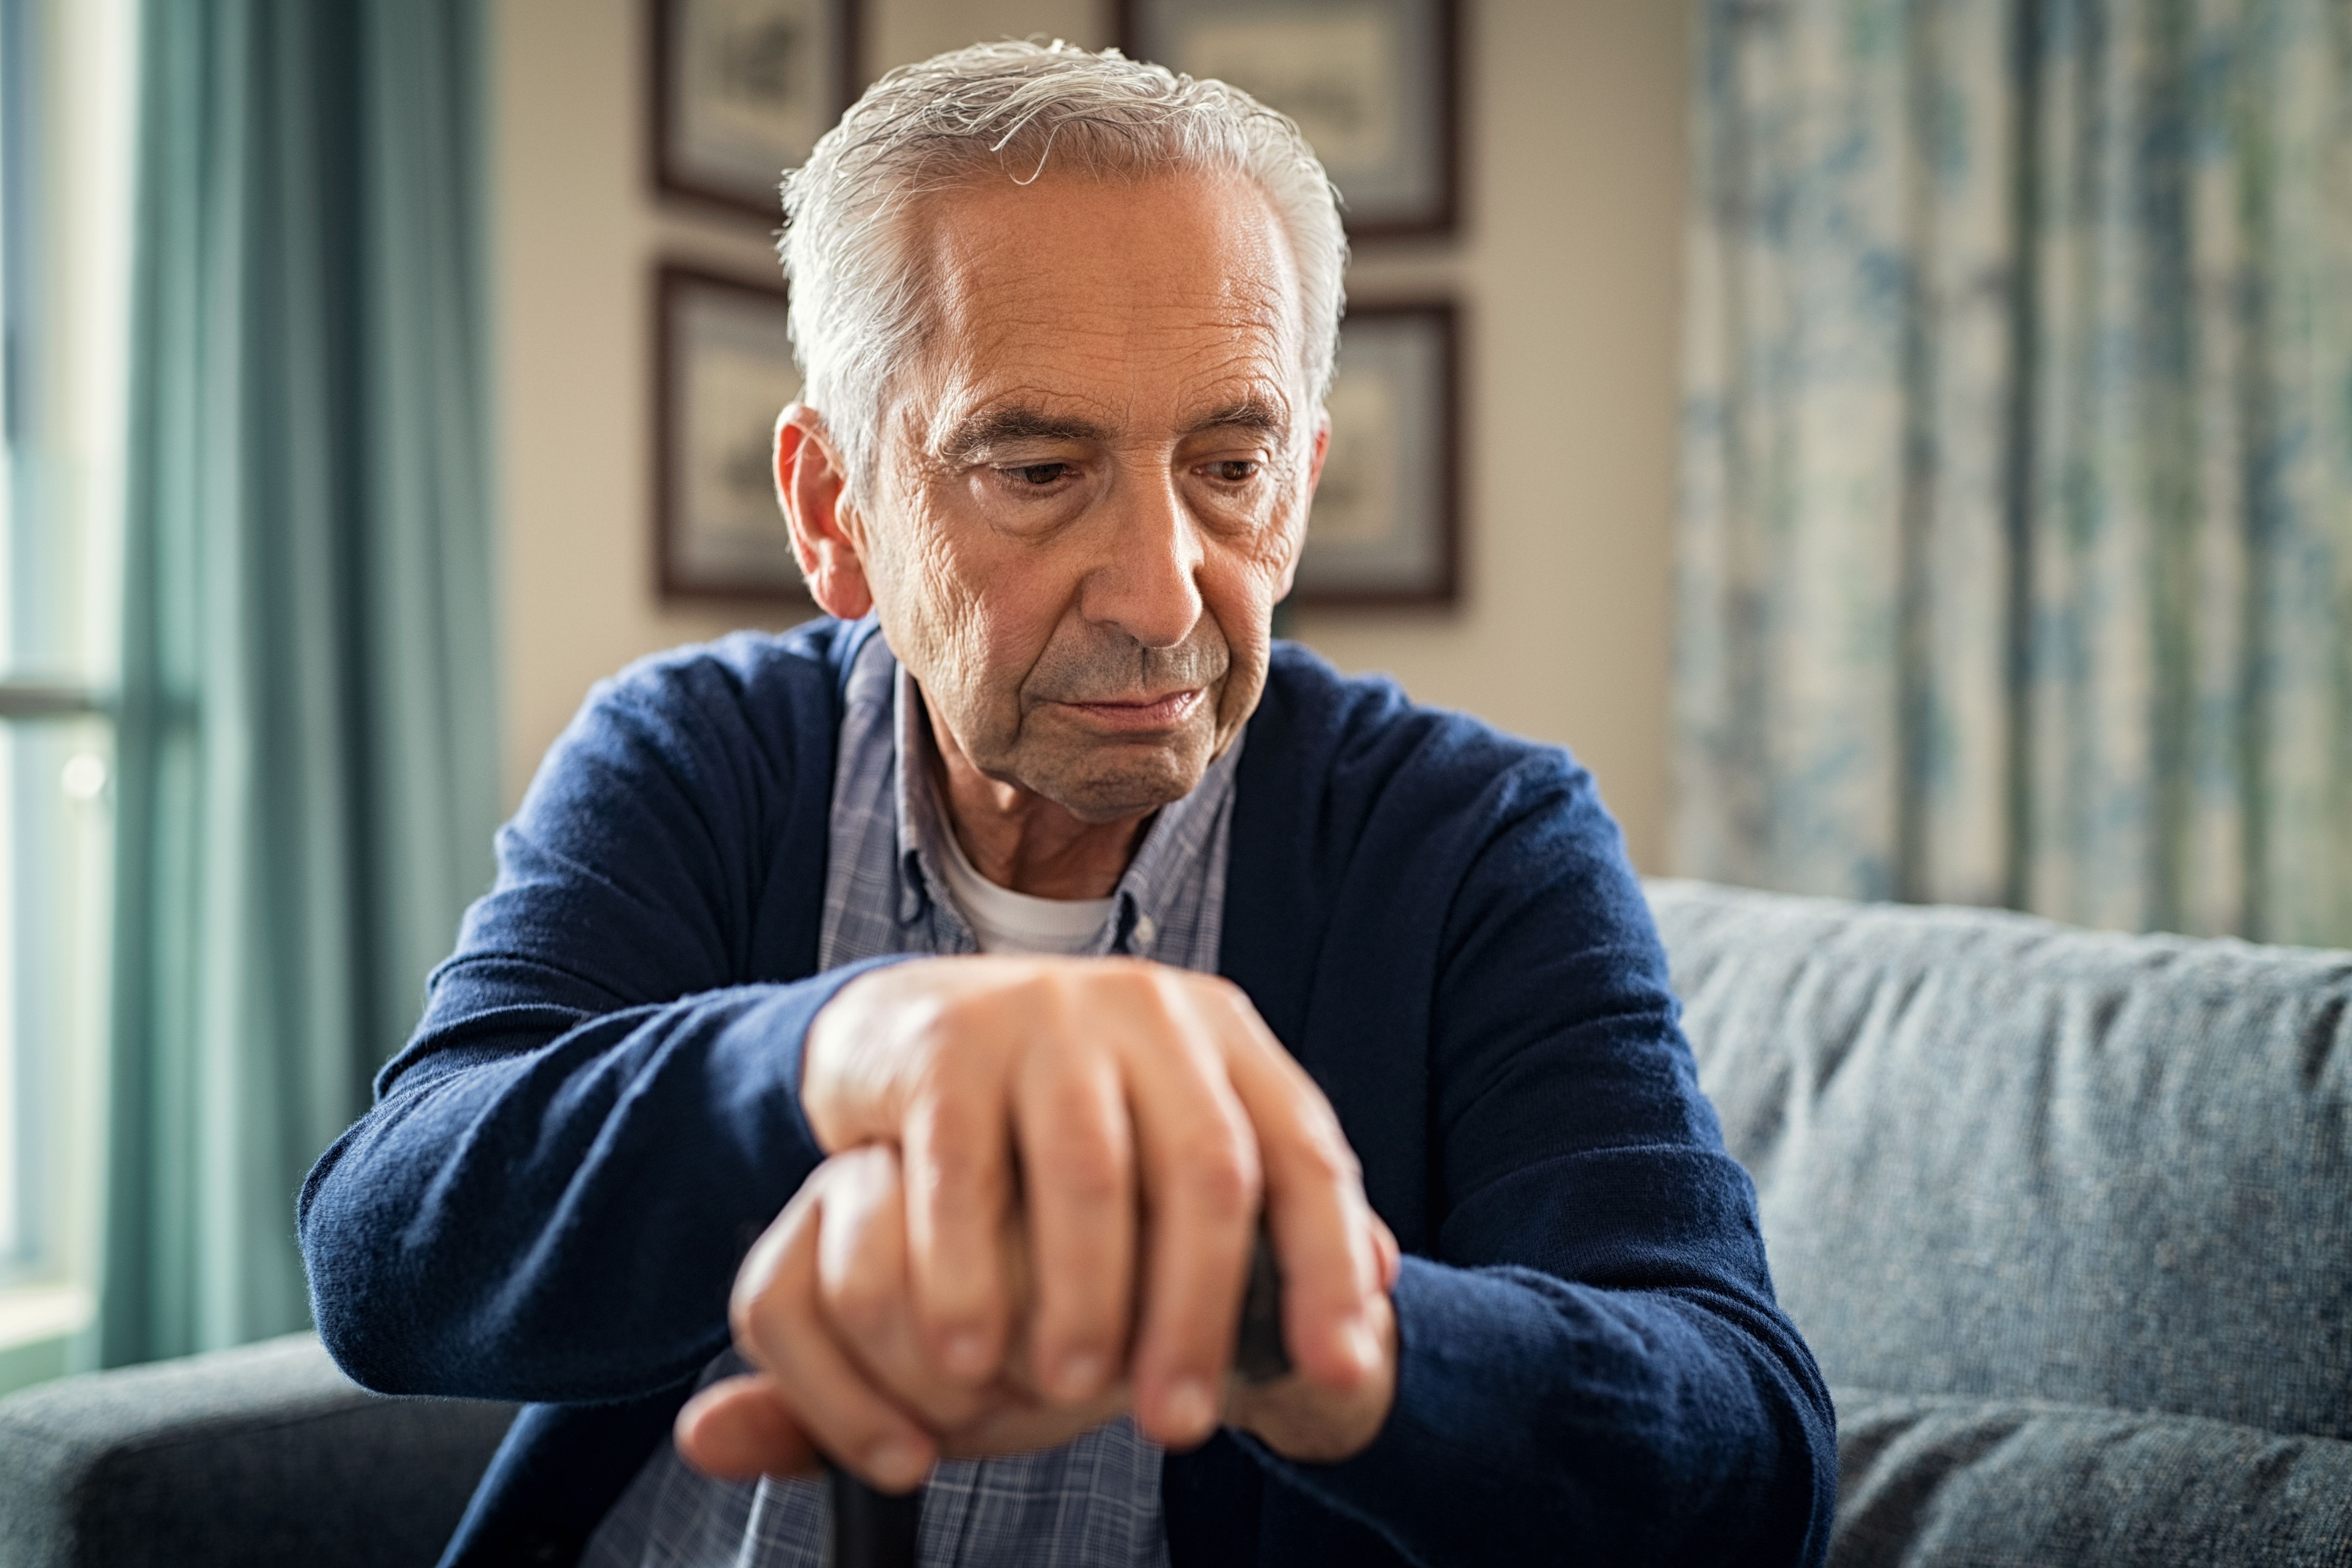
(737, 1430)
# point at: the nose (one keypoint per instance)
(1146, 581)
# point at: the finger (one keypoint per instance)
(1391, 1257)
(737, 1430)
(861, 1269)
(955, 1146)
(1315, 1212)
(1198, 1163)
(1302, 1420)
(1025, 1428)
(781, 1329)
(1078, 1163)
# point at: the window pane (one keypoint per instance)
(65, 175)
(55, 841)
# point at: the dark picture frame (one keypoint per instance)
(1375, 84)
(741, 90)
(1386, 528)
(723, 371)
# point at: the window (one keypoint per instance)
(67, 74)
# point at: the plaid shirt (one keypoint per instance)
(1093, 1501)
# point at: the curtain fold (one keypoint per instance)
(2016, 539)
(308, 752)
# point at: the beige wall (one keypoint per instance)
(1567, 266)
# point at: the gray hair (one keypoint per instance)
(1001, 110)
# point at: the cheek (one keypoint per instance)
(923, 601)
(950, 592)
(977, 620)
(1238, 587)
(1267, 554)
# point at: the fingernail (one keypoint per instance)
(1081, 1375)
(1364, 1345)
(896, 1462)
(1188, 1407)
(967, 1353)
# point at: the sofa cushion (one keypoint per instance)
(2000, 1157)
(1936, 1482)
(258, 1457)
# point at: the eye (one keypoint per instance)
(1235, 470)
(1040, 474)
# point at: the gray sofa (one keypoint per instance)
(2068, 1218)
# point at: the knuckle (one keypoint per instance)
(1329, 1158)
(1223, 1184)
(1087, 1172)
(957, 1167)
(1153, 984)
(963, 1167)
(760, 1320)
(1042, 992)
(949, 1076)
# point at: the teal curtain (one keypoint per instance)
(2016, 539)
(308, 763)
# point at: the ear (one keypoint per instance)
(1314, 478)
(828, 534)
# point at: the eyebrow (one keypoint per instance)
(1000, 426)
(1250, 414)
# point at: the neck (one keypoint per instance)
(1018, 839)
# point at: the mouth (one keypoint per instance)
(1140, 715)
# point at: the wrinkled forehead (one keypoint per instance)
(1129, 302)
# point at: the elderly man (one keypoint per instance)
(897, 1028)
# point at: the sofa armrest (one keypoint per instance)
(261, 1456)
(1952, 1482)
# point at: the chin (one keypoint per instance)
(1121, 788)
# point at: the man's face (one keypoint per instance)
(1093, 482)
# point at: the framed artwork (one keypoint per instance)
(742, 91)
(723, 371)
(1386, 528)
(1374, 83)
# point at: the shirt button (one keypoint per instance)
(1145, 928)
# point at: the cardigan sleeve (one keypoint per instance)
(599, 1112)
(1592, 1366)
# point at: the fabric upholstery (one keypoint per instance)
(259, 1458)
(1926, 1480)
(2000, 1157)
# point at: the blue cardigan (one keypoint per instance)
(598, 1114)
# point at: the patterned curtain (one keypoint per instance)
(2016, 546)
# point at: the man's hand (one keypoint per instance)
(823, 1308)
(1140, 1116)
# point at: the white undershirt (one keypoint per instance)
(1003, 920)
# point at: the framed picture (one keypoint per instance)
(723, 371)
(742, 91)
(1386, 528)
(1374, 83)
